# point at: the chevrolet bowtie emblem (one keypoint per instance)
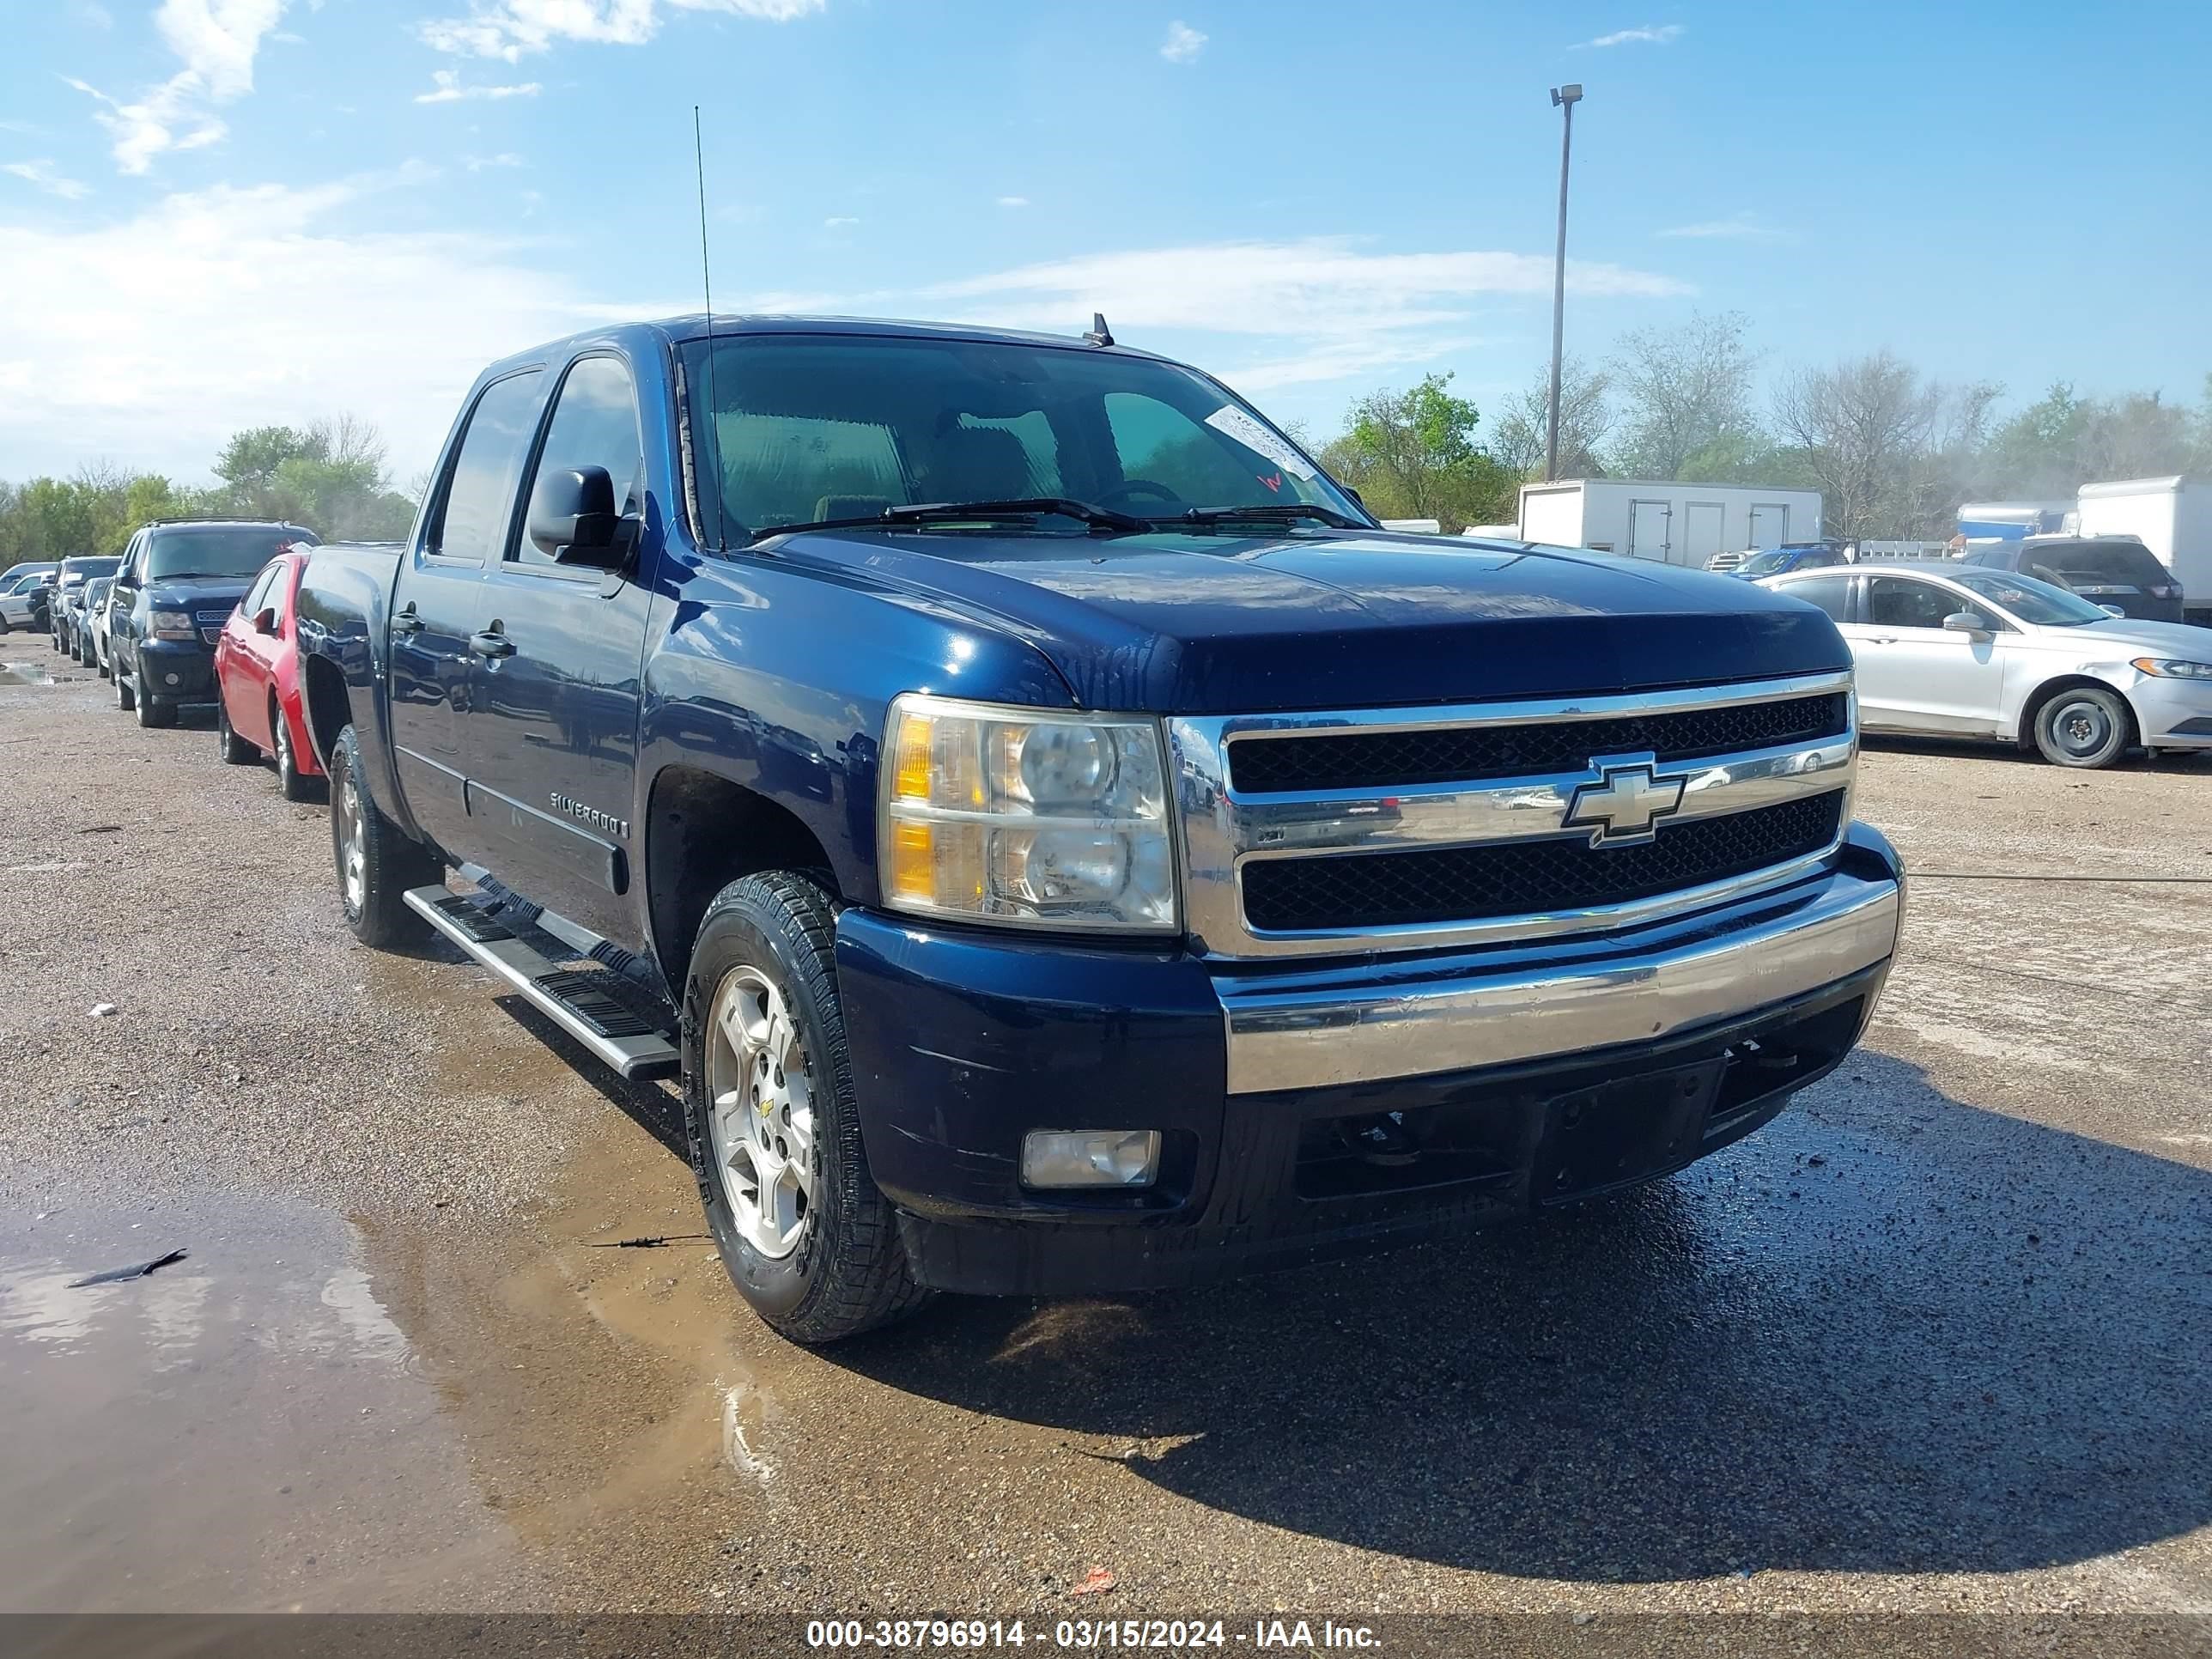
(1626, 804)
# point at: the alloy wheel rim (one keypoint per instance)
(760, 1120)
(283, 745)
(355, 857)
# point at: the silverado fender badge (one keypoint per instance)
(618, 828)
(1625, 803)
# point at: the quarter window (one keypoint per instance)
(1831, 594)
(471, 521)
(594, 424)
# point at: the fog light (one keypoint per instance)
(1090, 1158)
(171, 679)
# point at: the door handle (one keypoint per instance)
(407, 622)
(491, 644)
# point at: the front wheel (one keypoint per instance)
(235, 749)
(807, 1238)
(125, 699)
(295, 784)
(152, 712)
(376, 861)
(2085, 727)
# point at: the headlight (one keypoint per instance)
(2173, 668)
(1027, 817)
(170, 624)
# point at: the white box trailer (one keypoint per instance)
(2171, 517)
(1670, 523)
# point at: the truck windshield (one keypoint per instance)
(224, 551)
(808, 429)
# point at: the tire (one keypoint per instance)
(295, 784)
(153, 714)
(372, 886)
(125, 699)
(235, 750)
(2084, 726)
(764, 960)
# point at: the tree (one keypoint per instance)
(1412, 454)
(329, 476)
(1585, 417)
(1682, 390)
(1890, 450)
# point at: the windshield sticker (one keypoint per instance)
(1236, 424)
(1273, 481)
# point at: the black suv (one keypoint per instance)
(65, 612)
(2115, 571)
(179, 584)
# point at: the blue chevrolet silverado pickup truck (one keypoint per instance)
(1061, 840)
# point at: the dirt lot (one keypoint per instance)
(1935, 1341)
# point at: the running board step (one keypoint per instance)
(576, 1000)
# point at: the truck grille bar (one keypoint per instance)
(1325, 833)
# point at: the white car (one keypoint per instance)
(16, 594)
(1972, 653)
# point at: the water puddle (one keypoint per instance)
(243, 1429)
(24, 673)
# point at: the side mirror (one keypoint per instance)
(573, 519)
(265, 621)
(1972, 623)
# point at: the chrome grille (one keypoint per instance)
(1467, 884)
(1365, 760)
(210, 623)
(1321, 833)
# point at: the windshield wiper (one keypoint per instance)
(1269, 511)
(1027, 507)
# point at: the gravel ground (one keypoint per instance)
(1932, 1342)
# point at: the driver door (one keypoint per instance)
(1916, 675)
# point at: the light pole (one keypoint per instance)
(1564, 99)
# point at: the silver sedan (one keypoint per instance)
(1971, 653)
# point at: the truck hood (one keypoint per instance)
(196, 592)
(1195, 623)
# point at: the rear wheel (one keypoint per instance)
(235, 749)
(296, 784)
(376, 861)
(808, 1240)
(2085, 727)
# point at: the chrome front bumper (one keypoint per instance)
(1344, 1023)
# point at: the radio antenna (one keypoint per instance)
(707, 282)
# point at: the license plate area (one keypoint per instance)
(1623, 1132)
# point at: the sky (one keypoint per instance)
(222, 213)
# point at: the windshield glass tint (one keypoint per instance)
(1763, 564)
(809, 427)
(229, 551)
(2030, 600)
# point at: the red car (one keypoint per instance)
(260, 707)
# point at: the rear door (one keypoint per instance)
(437, 600)
(1648, 524)
(1770, 524)
(551, 741)
(1703, 525)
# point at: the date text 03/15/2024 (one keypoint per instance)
(1086, 1634)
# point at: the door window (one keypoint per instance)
(594, 424)
(1831, 594)
(471, 522)
(1900, 602)
(257, 597)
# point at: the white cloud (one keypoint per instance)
(40, 172)
(1013, 201)
(1744, 226)
(506, 158)
(447, 88)
(217, 41)
(839, 222)
(509, 29)
(90, 15)
(1649, 35)
(1183, 43)
(154, 338)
